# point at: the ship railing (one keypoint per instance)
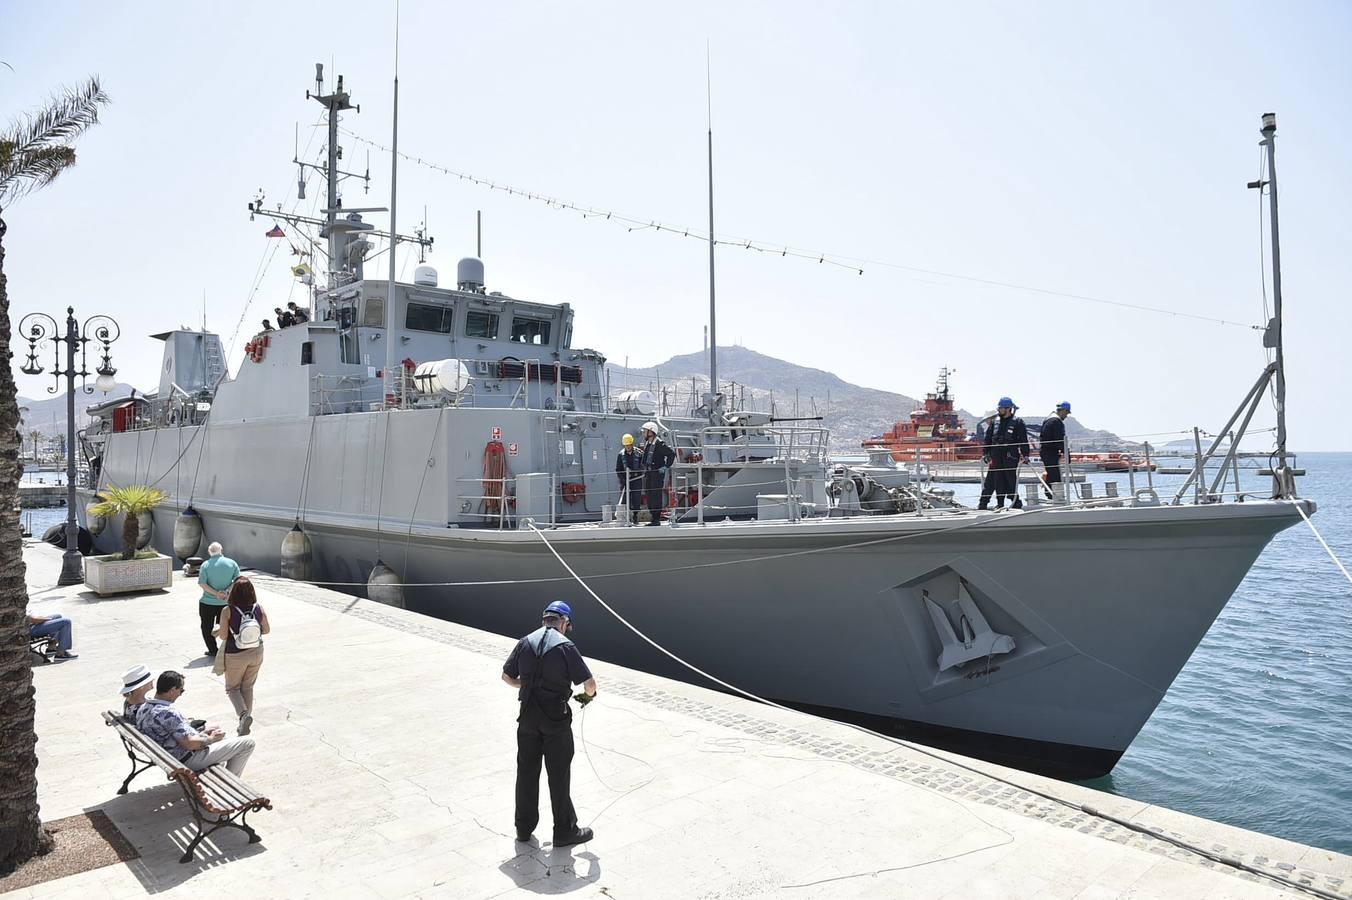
(330, 394)
(339, 394)
(724, 446)
(173, 411)
(734, 444)
(496, 506)
(1228, 439)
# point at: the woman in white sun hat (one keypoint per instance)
(137, 684)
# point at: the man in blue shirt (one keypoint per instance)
(158, 720)
(543, 667)
(215, 577)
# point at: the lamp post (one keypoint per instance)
(39, 327)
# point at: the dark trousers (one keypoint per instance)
(1002, 480)
(1053, 473)
(542, 739)
(657, 500)
(210, 618)
(635, 493)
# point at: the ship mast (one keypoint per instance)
(335, 102)
(715, 407)
(347, 245)
(390, 350)
(1273, 336)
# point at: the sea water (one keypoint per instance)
(1257, 729)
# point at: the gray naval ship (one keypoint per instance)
(409, 440)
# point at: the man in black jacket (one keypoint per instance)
(1006, 445)
(629, 470)
(1052, 444)
(543, 667)
(657, 459)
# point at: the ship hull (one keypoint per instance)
(1104, 606)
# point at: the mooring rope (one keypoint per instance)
(1333, 556)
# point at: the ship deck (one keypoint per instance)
(400, 723)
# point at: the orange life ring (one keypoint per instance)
(574, 491)
(257, 348)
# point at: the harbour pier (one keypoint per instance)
(385, 741)
(41, 496)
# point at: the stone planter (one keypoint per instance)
(124, 576)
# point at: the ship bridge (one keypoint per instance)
(487, 349)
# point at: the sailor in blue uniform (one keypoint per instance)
(543, 666)
(629, 470)
(1006, 446)
(1052, 444)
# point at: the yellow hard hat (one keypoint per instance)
(628, 440)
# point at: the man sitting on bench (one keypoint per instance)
(136, 685)
(158, 720)
(55, 627)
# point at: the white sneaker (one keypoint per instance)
(245, 724)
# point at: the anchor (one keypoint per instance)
(977, 640)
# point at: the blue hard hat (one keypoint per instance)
(1064, 404)
(559, 608)
(1005, 401)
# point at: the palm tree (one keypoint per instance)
(34, 150)
(131, 502)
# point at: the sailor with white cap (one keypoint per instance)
(657, 459)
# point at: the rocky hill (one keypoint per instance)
(761, 382)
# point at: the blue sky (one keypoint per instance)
(1081, 148)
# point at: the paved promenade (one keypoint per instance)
(386, 743)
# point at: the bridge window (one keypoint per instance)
(530, 331)
(307, 353)
(480, 324)
(373, 311)
(428, 317)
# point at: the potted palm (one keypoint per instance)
(130, 570)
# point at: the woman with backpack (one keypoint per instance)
(242, 626)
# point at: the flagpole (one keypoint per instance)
(390, 362)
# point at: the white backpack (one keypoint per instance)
(250, 633)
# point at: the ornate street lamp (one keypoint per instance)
(39, 327)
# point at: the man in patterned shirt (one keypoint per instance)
(198, 750)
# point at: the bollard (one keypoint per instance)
(1059, 492)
